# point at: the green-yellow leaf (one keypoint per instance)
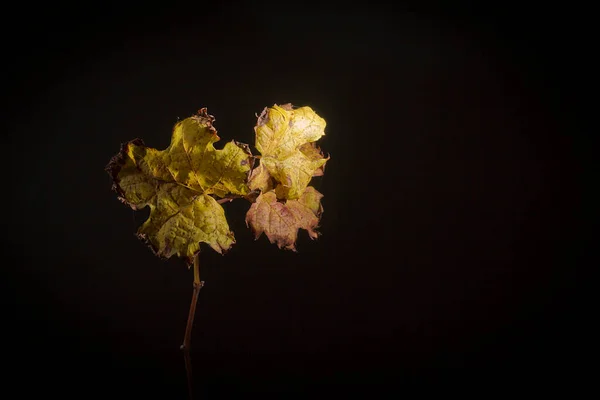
(178, 184)
(284, 137)
(180, 219)
(280, 221)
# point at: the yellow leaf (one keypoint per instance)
(312, 152)
(284, 137)
(180, 219)
(260, 179)
(177, 184)
(280, 221)
(294, 173)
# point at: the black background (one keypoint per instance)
(454, 202)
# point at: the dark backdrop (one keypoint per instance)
(453, 219)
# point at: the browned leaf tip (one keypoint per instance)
(263, 118)
(116, 163)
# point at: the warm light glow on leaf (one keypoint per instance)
(178, 184)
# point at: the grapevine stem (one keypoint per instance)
(187, 339)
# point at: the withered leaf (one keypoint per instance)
(284, 137)
(280, 221)
(178, 184)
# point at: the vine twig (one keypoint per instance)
(187, 339)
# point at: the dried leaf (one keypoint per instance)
(260, 179)
(290, 159)
(284, 137)
(312, 152)
(178, 184)
(280, 221)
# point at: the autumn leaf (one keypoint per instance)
(180, 183)
(260, 179)
(280, 221)
(289, 159)
(284, 137)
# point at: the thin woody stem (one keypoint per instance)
(187, 339)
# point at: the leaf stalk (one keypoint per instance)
(187, 339)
